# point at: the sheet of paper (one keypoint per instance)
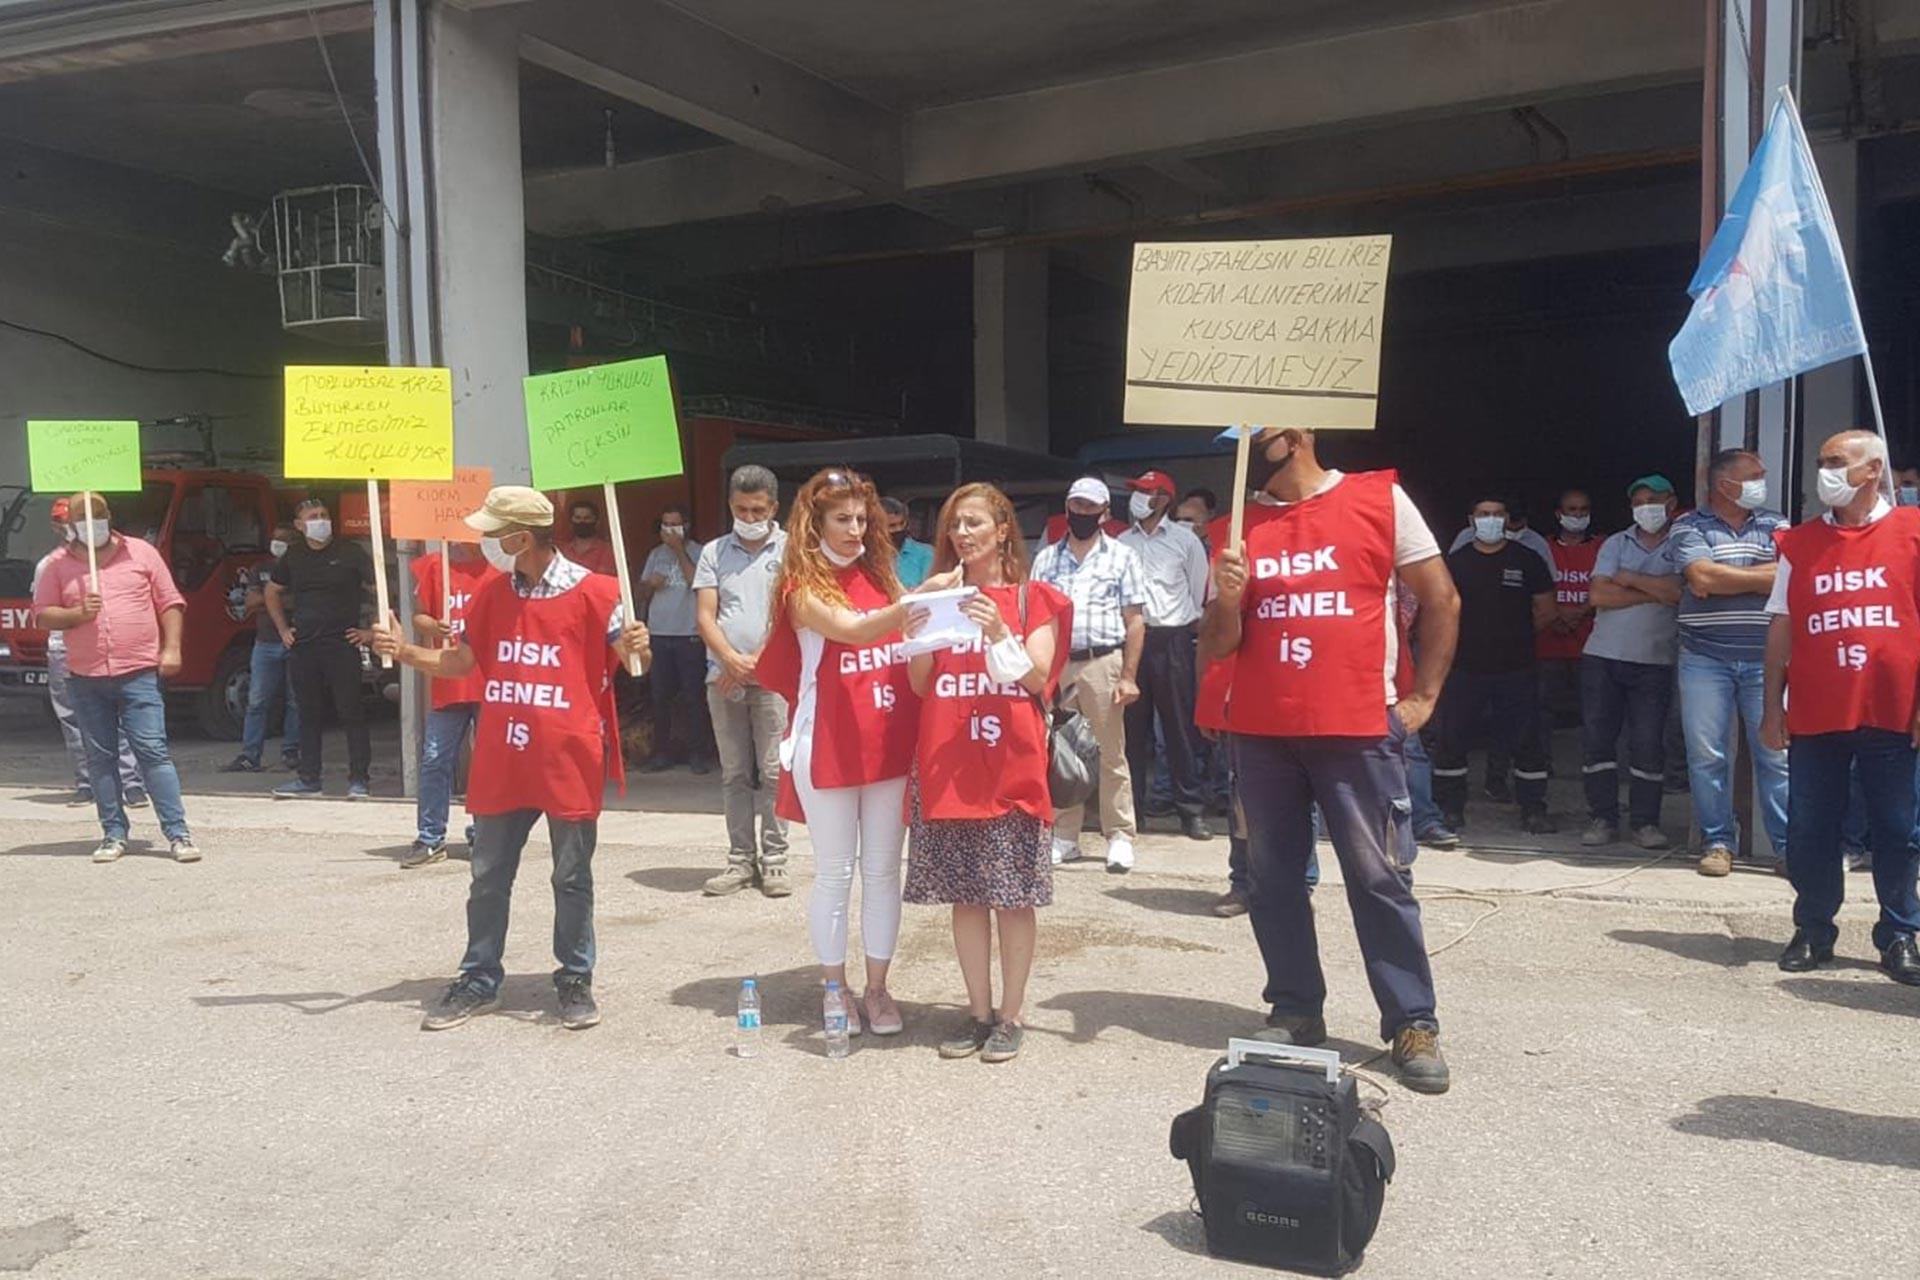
(946, 625)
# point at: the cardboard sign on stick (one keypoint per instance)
(1278, 333)
(437, 510)
(346, 423)
(69, 457)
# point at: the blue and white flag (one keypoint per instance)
(1771, 298)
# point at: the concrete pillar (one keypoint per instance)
(1010, 347)
(1830, 395)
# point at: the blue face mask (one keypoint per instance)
(1491, 530)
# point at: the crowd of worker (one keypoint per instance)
(1329, 674)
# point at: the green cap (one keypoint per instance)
(1657, 483)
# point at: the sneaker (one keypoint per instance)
(736, 877)
(1231, 903)
(1119, 855)
(1303, 1029)
(1716, 861)
(423, 853)
(774, 882)
(656, 764)
(82, 797)
(296, 790)
(1441, 837)
(184, 850)
(577, 1009)
(1065, 851)
(463, 999)
(1003, 1045)
(1599, 831)
(883, 1015)
(241, 764)
(1455, 820)
(136, 799)
(1416, 1051)
(1538, 823)
(356, 791)
(968, 1039)
(1650, 838)
(109, 850)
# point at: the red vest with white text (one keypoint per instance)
(1572, 584)
(1853, 599)
(547, 737)
(468, 577)
(983, 745)
(1313, 638)
(1216, 677)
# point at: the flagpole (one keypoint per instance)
(1853, 303)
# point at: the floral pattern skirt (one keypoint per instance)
(1004, 862)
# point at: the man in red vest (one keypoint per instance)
(1843, 690)
(1306, 605)
(545, 639)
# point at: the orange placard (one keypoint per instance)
(352, 514)
(436, 510)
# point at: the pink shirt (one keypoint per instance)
(135, 589)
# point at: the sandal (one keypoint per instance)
(887, 1021)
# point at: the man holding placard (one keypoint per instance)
(545, 639)
(121, 614)
(132, 793)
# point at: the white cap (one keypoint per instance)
(1091, 490)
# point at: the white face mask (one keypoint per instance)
(1833, 488)
(1575, 524)
(1140, 506)
(1651, 516)
(676, 530)
(66, 533)
(752, 530)
(92, 532)
(318, 530)
(277, 548)
(1907, 496)
(496, 555)
(1491, 530)
(1753, 495)
(839, 561)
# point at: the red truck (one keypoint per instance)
(211, 527)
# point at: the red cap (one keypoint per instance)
(1150, 480)
(60, 508)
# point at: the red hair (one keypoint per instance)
(803, 567)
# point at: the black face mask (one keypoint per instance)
(1260, 470)
(899, 537)
(583, 530)
(1083, 526)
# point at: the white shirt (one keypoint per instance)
(1777, 602)
(1173, 569)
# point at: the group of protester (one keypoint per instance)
(1337, 596)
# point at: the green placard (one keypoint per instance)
(67, 457)
(609, 422)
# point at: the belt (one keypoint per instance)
(1098, 651)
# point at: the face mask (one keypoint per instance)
(899, 537)
(497, 555)
(584, 531)
(92, 532)
(752, 530)
(1260, 469)
(674, 530)
(320, 531)
(1083, 526)
(1907, 496)
(1833, 487)
(1575, 524)
(1512, 535)
(839, 561)
(1753, 495)
(1140, 506)
(66, 533)
(1491, 530)
(277, 548)
(1651, 516)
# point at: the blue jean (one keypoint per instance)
(1426, 814)
(498, 840)
(1636, 694)
(1819, 764)
(1712, 692)
(108, 706)
(439, 754)
(1361, 787)
(266, 685)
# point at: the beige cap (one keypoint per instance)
(512, 504)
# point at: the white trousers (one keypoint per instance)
(866, 825)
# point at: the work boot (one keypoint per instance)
(1303, 1029)
(1416, 1051)
(736, 877)
(773, 880)
(1716, 861)
(1231, 903)
(1196, 827)
(465, 998)
(577, 1009)
(1600, 831)
(1538, 822)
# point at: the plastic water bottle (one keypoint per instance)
(835, 1007)
(746, 1022)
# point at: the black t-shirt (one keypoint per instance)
(329, 587)
(1496, 606)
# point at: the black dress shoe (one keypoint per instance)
(1901, 961)
(1802, 955)
(1196, 827)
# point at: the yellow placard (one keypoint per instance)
(347, 423)
(1276, 333)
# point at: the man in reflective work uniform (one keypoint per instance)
(1307, 606)
(545, 639)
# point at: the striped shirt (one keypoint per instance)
(1102, 587)
(1729, 628)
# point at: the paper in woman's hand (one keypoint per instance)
(946, 625)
